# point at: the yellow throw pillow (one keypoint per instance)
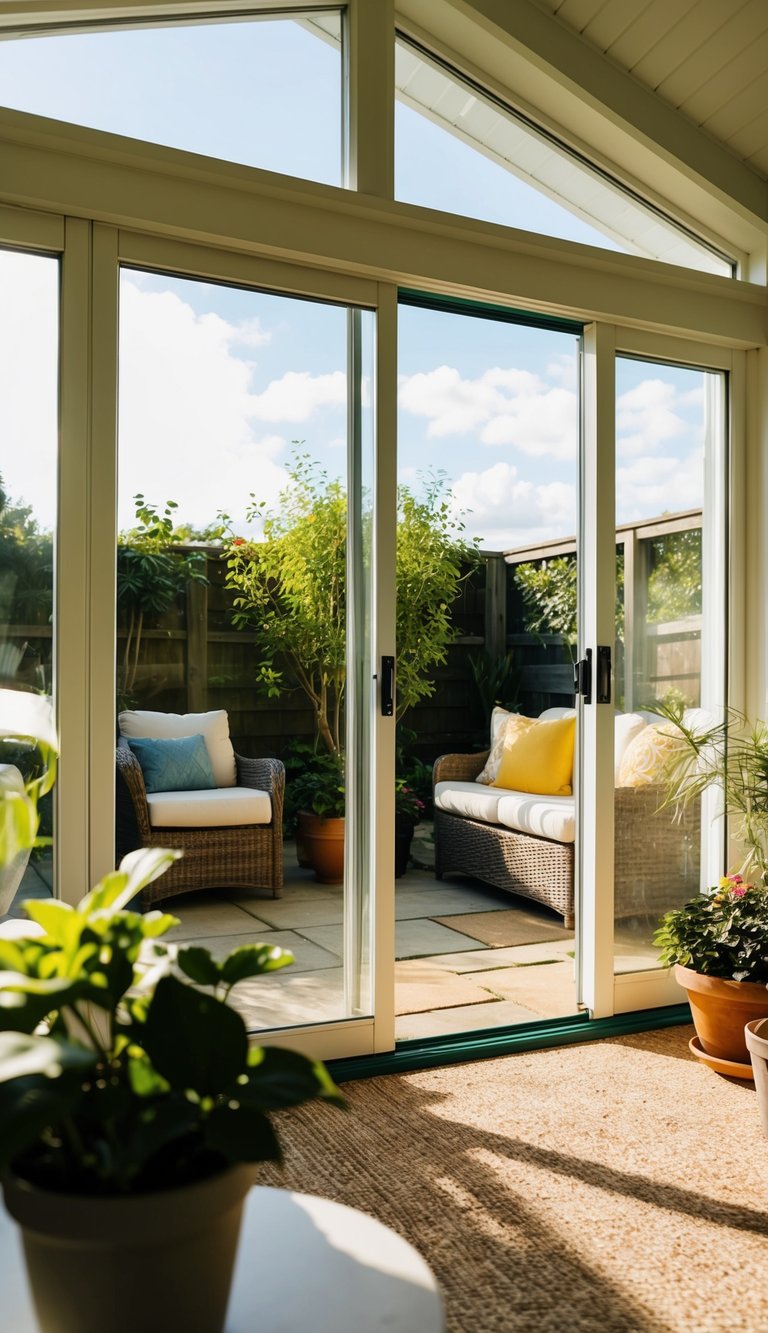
(512, 725)
(539, 758)
(646, 757)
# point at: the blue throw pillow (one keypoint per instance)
(179, 764)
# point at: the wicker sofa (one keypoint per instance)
(231, 837)
(499, 837)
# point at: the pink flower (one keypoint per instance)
(738, 891)
(238, 541)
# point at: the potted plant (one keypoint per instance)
(718, 944)
(408, 811)
(318, 797)
(718, 940)
(132, 1108)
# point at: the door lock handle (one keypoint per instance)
(387, 686)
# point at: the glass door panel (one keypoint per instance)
(243, 552)
(670, 634)
(29, 355)
(488, 445)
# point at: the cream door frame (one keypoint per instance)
(600, 990)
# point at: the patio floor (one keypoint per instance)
(467, 956)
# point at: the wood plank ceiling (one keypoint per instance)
(706, 58)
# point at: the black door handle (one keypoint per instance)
(387, 686)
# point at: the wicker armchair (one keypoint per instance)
(656, 859)
(246, 856)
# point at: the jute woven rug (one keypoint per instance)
(610, 1187)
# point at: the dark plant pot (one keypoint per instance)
(403, 839)
(720, 1009)
(145, 1261)
(322, 843)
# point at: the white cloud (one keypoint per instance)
(297, 395)
(655, 485)
(186, 411)
(504, 406)
(647, 416)
(505, 511)
(29, 380)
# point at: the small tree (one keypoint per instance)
(149, 576)
(291, 588)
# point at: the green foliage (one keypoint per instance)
(433, 561)
(723, 933)
(674, 580)
(408, 806)
(733, 755)
(142, 1076)
(320, 788)
(549, 589)
(150, 574)
(291, 588)
(496, 681)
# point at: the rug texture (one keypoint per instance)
(610, 1187)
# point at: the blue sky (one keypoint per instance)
(216, 382)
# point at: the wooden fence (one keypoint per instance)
(193, 659)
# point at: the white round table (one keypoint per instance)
(303, 1263)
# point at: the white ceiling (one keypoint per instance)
(706, 58)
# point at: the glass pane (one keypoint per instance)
(29, 352)
(488, 435)
(669, 630)
(262, 92)
(232, 600)
(460, 150)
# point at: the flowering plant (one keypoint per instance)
(407, 803)
(721, 933)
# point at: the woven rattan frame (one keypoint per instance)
(245, 856)
(656, 859)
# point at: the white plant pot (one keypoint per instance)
(154, 1262)
(756, 1036)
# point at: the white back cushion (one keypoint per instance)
(625, 727)
(213, 727)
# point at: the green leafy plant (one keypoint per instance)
(408, 806)
(123, 1068)
(723, 933)
(731, 755)
(150, 574)
(291, 589)
(320, 789)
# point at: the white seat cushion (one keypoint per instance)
(552, 817)
(209, 809)
(469, 798)
(213, 727)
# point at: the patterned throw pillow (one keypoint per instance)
(179, 764)
(646, 757)
(507, 727)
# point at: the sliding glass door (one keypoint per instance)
(244, 572)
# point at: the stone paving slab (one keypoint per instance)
(207, 914)
(548, 989)
(288, 998)
(308, 955)
(415, 939)
(486, 958)
(422, 988)
(465, 1018)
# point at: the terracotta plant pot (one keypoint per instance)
(721, 1009)
(148, 1261)
(322, 843)
(756, 1036)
